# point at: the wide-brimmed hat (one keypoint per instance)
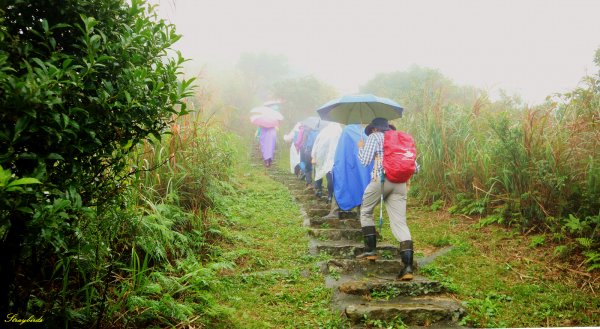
(379, 123)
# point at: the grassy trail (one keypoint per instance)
(276, 283)
(505, 278)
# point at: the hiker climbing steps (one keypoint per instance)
(366, 290)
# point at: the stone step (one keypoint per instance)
(419, 311)
(390, 287)
(316, 205)
(377, 267)
(349, 215)
(367, 290)
(292, 178)
(362, 267)
(350, 249)
(296, 189)
(295, 185)
(439, 325)
(280, 174)
(319, 222)
(336, 234)
(317, 212)
(341, 214)
(299, 188)
(306, 198)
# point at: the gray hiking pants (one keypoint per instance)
(394, 196)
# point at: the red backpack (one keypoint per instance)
(399, 155)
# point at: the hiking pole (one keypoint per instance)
(381, 206)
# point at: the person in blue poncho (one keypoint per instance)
(350, 178)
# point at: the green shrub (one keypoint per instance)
(81, 83)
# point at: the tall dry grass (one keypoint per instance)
(166, 273)
(535, 167)
(192, 163)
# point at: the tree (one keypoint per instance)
(81, 83)
(420, 88)
(263, 70)
(302, 97)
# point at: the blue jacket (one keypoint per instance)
(350, 177)
(310, 141)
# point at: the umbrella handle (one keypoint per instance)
(362, 131)
(361, 140)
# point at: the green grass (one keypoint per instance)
(275, 283)
(503, 279)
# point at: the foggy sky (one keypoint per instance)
(533, 48)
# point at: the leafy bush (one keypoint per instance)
(81, 83)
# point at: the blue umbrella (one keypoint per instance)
(351, 109)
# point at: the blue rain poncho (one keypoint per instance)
(350, 177)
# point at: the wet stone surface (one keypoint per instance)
(336, 234)
(412, 311)
(419, 286)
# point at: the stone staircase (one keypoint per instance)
(366, 291)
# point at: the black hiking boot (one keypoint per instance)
(370, 236)
(406, 254)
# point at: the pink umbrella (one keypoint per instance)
(265, 117)
(263, 121)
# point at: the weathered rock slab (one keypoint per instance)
(349, 249)
(419, 286)
(420, 311)
(317, 212)
(364, 267)
(334, 223)
(336, 234)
